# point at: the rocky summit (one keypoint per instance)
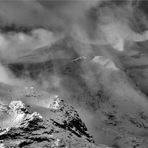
(22, 127)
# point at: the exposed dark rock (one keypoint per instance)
(27, 129)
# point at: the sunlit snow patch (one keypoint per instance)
(104, 62)
(15, 114)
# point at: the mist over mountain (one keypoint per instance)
(91, 54)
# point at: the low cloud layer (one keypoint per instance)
(107, 25)
(15, 45)
(97, 28)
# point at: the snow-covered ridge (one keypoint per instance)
(23, 128)
(105, 62)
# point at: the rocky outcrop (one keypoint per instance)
(21, 127)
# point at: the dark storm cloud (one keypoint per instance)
(27, 13)
(50, 14)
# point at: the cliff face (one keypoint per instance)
(20, 127)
